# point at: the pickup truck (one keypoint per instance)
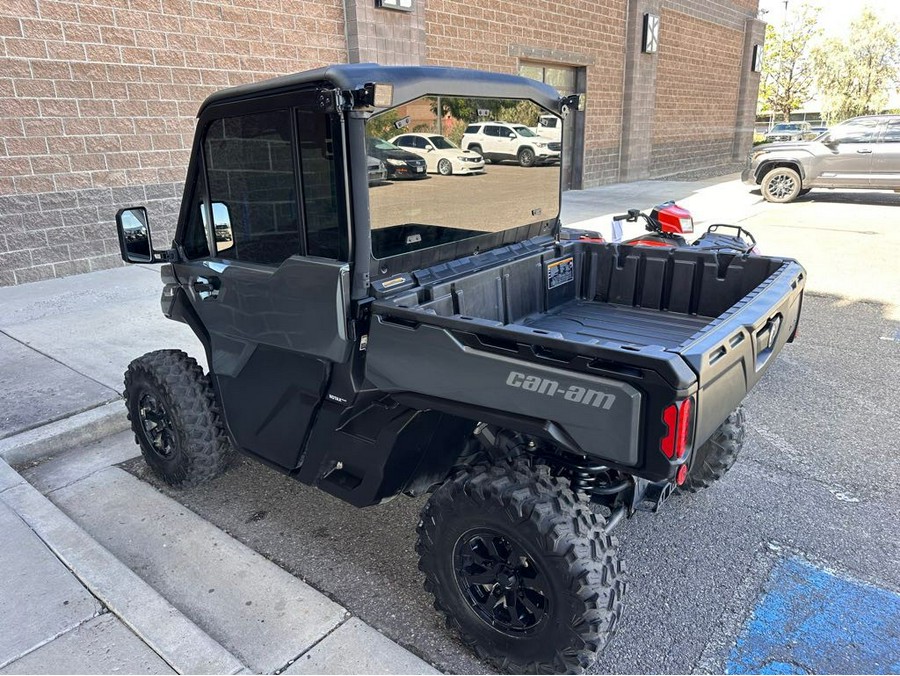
(441, 339)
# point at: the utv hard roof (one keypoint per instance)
(409, 82)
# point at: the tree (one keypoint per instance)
(788, 70)
(857, 75)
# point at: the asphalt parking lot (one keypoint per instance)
(503, 195)
(815, 488)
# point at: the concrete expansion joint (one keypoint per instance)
(346, 618)
(52, 358)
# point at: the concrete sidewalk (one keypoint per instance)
(102, 573)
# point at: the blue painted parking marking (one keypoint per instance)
(811, 621)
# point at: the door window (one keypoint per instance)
(195, 241)
(493, 130)
(319, 141)
(891, 132)
(855, 131)
(250, 169)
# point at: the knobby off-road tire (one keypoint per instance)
(510, 536)
(175, 418)
(714, 458)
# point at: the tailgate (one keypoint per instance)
(733, 352)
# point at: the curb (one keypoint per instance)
(37, 444)
(169, 633)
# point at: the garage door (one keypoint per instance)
(564, 79)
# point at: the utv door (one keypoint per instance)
(272, 285)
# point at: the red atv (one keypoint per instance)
(667, 224)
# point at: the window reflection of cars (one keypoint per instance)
(377, 172)
(790, 131)
(498, 141)
(399, 163)
(549, 126)
(440, 155)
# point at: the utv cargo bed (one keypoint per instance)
(624, 324)
(644, 326)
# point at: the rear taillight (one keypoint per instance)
(677, 418)
(684, 426)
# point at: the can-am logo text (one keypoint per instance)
(551, 388)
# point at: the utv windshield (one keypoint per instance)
(448, 198)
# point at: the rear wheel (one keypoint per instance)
(781, 185)
(444, 167)
(521, 568)
(526, 157)
(175, 418)
(714, 458)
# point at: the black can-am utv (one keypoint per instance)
(438, 337)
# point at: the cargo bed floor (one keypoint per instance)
(618, 323)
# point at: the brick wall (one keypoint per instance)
(98, 102)
(489, 35)
(695, 110)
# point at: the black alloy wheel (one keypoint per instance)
(156, 425)
(501, 581)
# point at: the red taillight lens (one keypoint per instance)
(684, 426)
(677, 418)
(667, 445)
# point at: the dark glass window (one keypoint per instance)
(252, 187)
(855, 131)
(403, 141)
(326, 234)
(196, 245)
(892, 132)
(493, 130)
(472, 129)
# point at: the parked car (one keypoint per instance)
(863, 152)
(790, 131)
(549, 126)
(440, 155)
(399, 163)
(498, 141)
(377, 172)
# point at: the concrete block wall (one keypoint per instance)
(98, 102)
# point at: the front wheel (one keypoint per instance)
(781, 185)
(444, 167)
(175, 418)
(714, 458)
(526, 157)
(521, 568)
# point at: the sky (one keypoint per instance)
(836, 14)
(835, 18)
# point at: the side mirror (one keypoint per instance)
(134, 236)
(429, 148)
(512, 134)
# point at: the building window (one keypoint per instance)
(402, 5)
(756, 66)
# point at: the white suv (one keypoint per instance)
(496, 141)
